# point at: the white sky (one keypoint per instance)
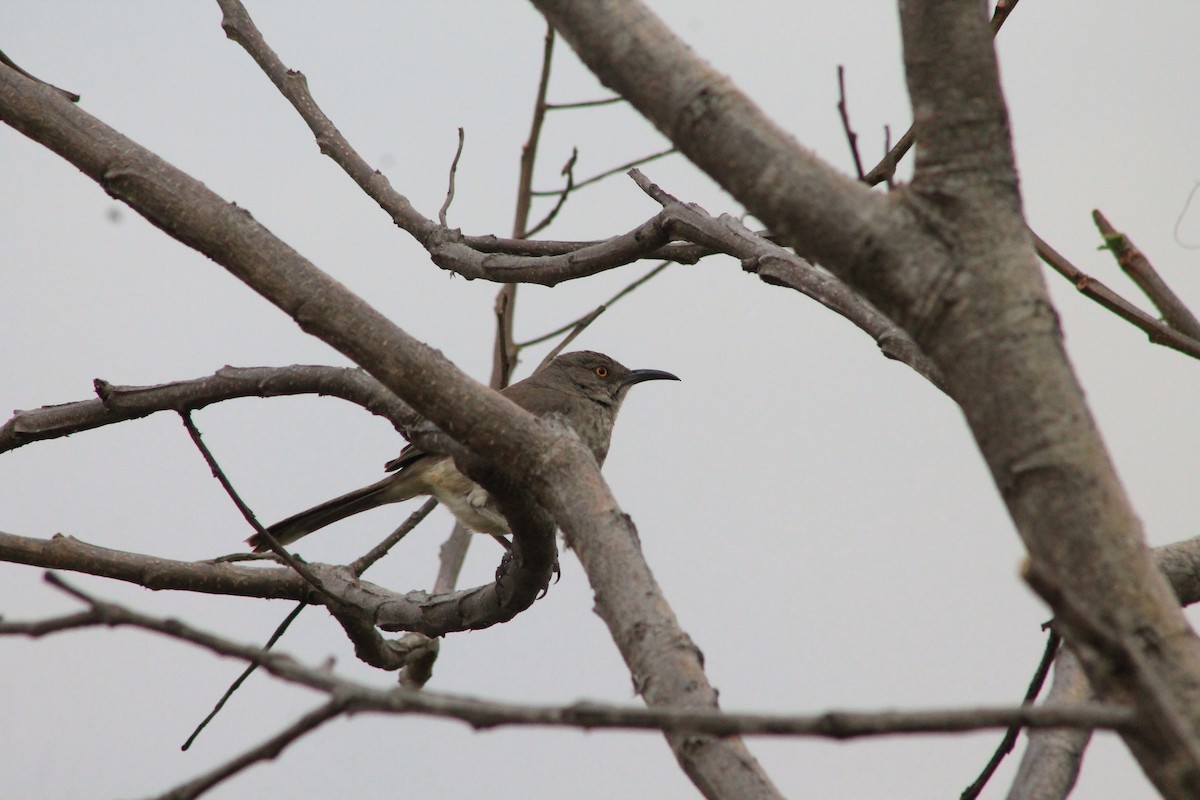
(817, 515)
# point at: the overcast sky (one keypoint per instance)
(818, 516)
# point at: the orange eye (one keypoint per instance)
(602, 372)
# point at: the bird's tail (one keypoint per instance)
(392, 489)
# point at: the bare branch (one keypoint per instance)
(1135, 264)
(1170, 736)
(280, 629)
(1050, 764)
(678, 252)
(453, 172)
(482, 714)
(365, 561)
(529, 150)
(266, 751)
(294, 87)
(123, 403)
(504, 348)
(433, 614)
(551, 270)
(844, 113)
(608, 101)
(278, 549)
(576, 329)
(1052, 758)
(1096, 290)
(608, 173)
(568, 170)
(1010, 736)
(209, 577)
(778, 266)
(445, 247)
(587, 318)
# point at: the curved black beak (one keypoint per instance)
(640, 375)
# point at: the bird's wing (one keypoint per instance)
(408, 455)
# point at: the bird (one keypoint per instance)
(584, 389)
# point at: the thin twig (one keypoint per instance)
(423, 651)
(591, 315)
(271, 541)
(246, 673)
(269, 749)
(637, 162)
(1139, 269)
(1096, 290)
(216, 470)
(364, 562)
(358, 567)
(1010, 736)
(1182, 215)
(1000, 13)
(453, 172)
(292, 84)
(608, 101)
(577, 329)
(568, 170)
(844, 113)
(529, 150)
(892, 155)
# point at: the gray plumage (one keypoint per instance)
(584, 389)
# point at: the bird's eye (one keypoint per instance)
(602, 372)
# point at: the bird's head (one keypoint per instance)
(598, 376)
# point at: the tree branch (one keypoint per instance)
(1135, 264)
(1053, 642)
(948, 258)
(270, 749)
(431, 614)
(122, 403)
(483, 714)
(1050, 763)
(886, 168)
(446, 247)
(1096, 290)
(779, 266)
